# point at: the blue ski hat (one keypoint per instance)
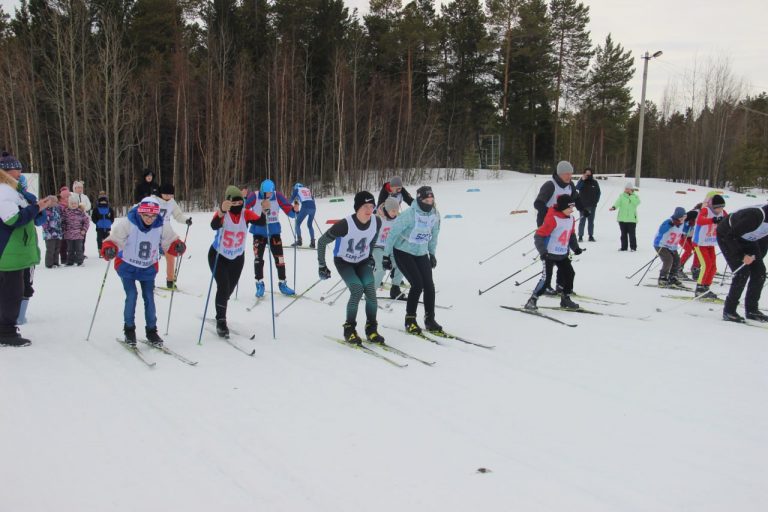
(267, 186)
(679, 213)
(298, 185)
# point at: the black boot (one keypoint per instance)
(372, 334)
(757, 315)
(297, 243)
(411, 326)
(312, 244)
(153, 337)
(221, 328)
(350, 334)
(567, 303)
(396, 293)
(130, 335)
(431, 325)
(664, 281)
(732, 316)
(11, 338)
(705, 292)
(531, 304)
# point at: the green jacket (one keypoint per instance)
(416, 238)
(627, 205)
(18, 236)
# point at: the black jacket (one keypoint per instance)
(741, 222)
(386, 191)
(144, 189)
(545, 194)
(589, 192)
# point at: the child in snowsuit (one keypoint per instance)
(103, 216)
(137, 241)
(75, 225)
(52, 234)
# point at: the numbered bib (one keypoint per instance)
(305, 194)
(672, 237)
(386, 227)
(355, 246)
(559, 191)
(142, 249)
(422, 229)
(231, 243)
(560, 236)
(274, 209)
(706, 235)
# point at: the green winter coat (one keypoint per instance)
(627, 205)
(18, 236)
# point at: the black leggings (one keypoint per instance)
(565, 275)
(227, 275)
(418, 271)
(259, 246)
(12, 286)
(751, 277)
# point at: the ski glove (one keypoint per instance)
(189, 221)
(386, 262)
(372, 264)
(179, 247)
(324, 273)
(432, 260)
(578, 251)
(109, 253)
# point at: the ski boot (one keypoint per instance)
(549, 291)
(130, 335)
(153, 338)
(664, 282)
(312, 244)
(12, 338)
(411, 326)
(259, 289)
(567, 303)
(531, 304)
(284, 289)
(221, 328)
(372, 334)
(757, 315)
(430, 324)
(396, 293)
(732, 316)
(350, 334)
(704, 292)
(297, 243)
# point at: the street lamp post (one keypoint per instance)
(638, 161)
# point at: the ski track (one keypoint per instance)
(614, 415)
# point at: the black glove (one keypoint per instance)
(180, 247)
(578, 251)
(189, 221)
(371, 263)
(386, 262)
(110, 253)
(432, 260)
(716, 220)
(543, 256)
(324, 273)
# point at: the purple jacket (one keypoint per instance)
(75, 223)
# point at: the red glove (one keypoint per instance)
(177, 248)
(108, 250)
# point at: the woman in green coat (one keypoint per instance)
(627, 204)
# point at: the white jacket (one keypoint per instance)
(171, 208)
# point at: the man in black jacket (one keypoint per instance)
(743, 238)
(589, 192)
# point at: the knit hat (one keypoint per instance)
(679, 213)
(396, 181)
(9, 162)
(233, 194)
(691, 215)
(424, 192)
(564, 202)
(564, 167)
(391, 204)
(629, 186)
(298, 186)
(149, 205)
(718, 201)
(72, 201)
(77, 184)
(167, 188)
(363, 197)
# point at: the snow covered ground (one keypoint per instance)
(615, 415)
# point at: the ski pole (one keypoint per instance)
(480, 292)
(507, 247)
(210, 287)
(688, 301)
(318, 227)
(101, 290)
(271, 279)
(534, 275)
(647, 269)
(338, 295)
(526, 253)
(298, 297)
(295, 247)
(176, 278)
(328, 293)
(641, 268)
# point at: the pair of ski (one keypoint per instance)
(389, 300)
(750, 323)
(165, 350)
(366, 348)
(432, 336)
(228, 341)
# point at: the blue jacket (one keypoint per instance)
(662, 232)
(103, 216)
(402, 234)
(309, 206)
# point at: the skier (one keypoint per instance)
(589, 193)
(412, 243)
(387, 212)
(666, 243)
(103, 216)
(302, 196)
(226, 255)
(355, 236)
(277, 201)
(136, 242)
(743, 239)
(627, 204)
(705, 240)
(559, 184)
(687, 243)
(554, 239)
(170, 208)
(394, 188)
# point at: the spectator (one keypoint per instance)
(589, 192)
(627, 204)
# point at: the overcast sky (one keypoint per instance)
(689, 32)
